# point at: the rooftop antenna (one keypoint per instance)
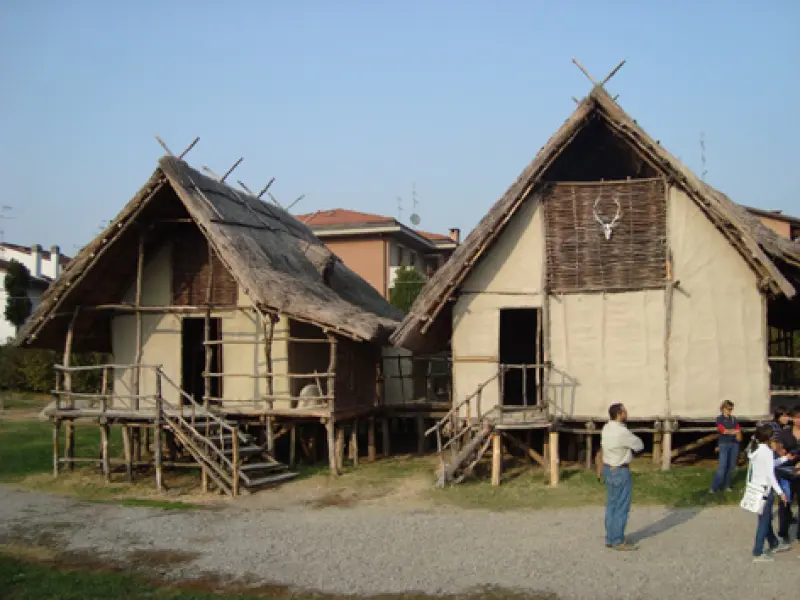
(415, 218)
(5, 215)
(399, 209)
(703, 155)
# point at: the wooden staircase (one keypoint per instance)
(230, 458)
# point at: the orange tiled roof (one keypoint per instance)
(342, 216)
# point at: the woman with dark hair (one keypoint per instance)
(762, 465)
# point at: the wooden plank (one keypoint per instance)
(532, 454)
(128, 451)
(712, 437)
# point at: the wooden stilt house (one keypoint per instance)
(609, 272)
(222, 314)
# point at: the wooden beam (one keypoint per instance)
(371, 450)
(532, 454)
(354, 443)
(137, 372)
(666, 447)
(332, 462)
(711, 437)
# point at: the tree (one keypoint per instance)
(408, 284)
(17, 283)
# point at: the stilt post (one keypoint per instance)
(157, 429)
(371, 451)
(666, 446)
(553, 451)
(497, 458)
(354, 443)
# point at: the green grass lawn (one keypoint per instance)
(24, 401)
(525, 488)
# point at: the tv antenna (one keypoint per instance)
(5, 215)
(415, 218)
(399, 209)
(703, 155)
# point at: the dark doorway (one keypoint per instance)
(193, 358)
(520, 344)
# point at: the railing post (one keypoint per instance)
(235, 457)
(157, 431)
(525, 385)
(104, 400)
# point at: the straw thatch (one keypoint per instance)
(277, 260)
(773, 259)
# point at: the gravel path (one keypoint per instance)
(374, 550)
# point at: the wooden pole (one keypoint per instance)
(157, 429)
(331, 391)
(56, 431)
(371, 450)
(104, 447)
(292, 445)
(354, 442)
(137, 370)
(707, 439)
(657, 443)
(269, 334)
(237, 459)
(385, 439)
(589, 427)
(666, 447)
(339, 448)
(497, 458)
(128, 450)
(330, 427)
(420, 421)
(270, 436)
(69, 438)
(553, 448)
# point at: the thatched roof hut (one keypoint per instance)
(774, 259)
(277, 261)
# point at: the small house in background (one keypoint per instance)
(609, 272)
(44, 267)
(375, 246)
(230, 326)
(785, 226)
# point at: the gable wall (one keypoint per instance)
(717, 347)
(508, 276)
(161, 341)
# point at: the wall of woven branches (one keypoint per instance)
(579, 256)
(191, 270)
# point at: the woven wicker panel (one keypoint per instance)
(581, 259)
(190, 273)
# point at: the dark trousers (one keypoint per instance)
(764, 531)
(723, 478)
(785, 513)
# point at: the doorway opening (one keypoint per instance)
(521, 350)
(193, 358)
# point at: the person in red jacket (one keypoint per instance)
(730, 434)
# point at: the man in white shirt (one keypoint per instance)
(618, 445)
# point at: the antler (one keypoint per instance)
(619, 211)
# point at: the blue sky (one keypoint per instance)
(351, 102)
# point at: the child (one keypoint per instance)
(762, 463)
(730, 434)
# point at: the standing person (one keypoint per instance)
(618, 445)
(730, 434)
(762, 463)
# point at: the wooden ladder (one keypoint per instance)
(228, 456)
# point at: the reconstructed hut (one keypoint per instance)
(219, 311)
(609, 272)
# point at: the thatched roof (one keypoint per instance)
(276, 259)
(775, 260)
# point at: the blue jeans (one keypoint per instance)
(764, 532)
(619, 488)
(723, 478)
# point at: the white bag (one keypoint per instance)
(755, 496)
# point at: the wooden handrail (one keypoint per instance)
(442, 422)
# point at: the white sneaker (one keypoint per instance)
(766, 557)
(782, 547)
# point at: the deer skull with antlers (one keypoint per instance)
(608, 228)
